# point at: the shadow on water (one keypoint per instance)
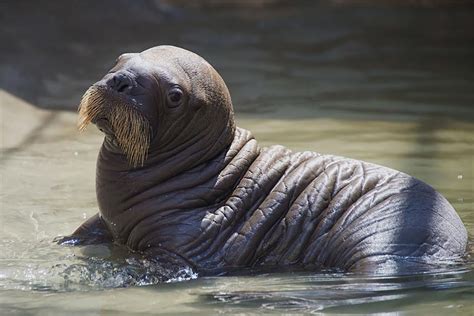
(32, 136)
(320, 58)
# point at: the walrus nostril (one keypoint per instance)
(120, 82)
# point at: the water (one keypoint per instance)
(394, 86)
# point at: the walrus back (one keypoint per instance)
(327, 211)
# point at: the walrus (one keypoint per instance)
(176, 178)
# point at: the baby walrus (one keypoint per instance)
(177, 180)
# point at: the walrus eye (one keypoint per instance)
(175, 96)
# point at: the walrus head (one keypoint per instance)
(160, 100)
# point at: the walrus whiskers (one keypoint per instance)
(130, 127)
(132, 131)
(92, 104)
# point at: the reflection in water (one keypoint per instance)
(98, 268)
(393, 86)
(333, 292)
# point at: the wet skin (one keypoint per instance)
(207, 196)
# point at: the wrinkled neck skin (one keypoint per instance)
(162, 204)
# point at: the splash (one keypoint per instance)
(73, 272)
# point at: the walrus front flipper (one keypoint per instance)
(93, 231)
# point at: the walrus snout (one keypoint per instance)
(134, 84)
(120, 82)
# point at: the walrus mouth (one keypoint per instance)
(130, 128)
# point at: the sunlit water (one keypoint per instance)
(340, 89)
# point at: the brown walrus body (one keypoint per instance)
(176, 178)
